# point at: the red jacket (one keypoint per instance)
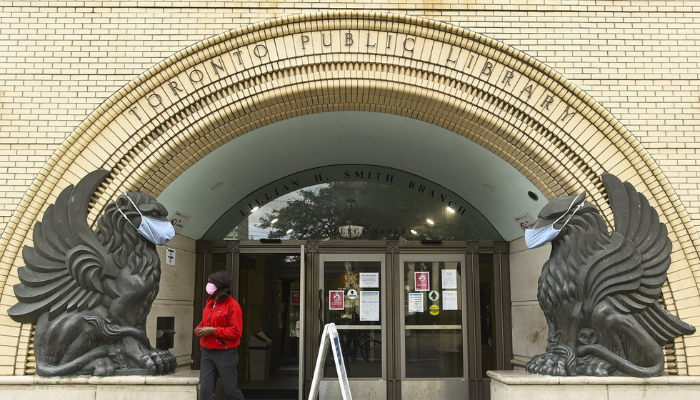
(226, 316)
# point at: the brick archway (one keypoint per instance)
(180, 110)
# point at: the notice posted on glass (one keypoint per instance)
(369, 305)
(336, 300)
(449, 279)
(449, 300)
(369, 279)
(422, 281)
(415, 302)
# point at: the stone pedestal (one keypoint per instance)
(179, 386)
(517, 385)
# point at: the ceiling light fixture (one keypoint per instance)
(414, 232)
(274, 220)
(430, 222)
(450, 210)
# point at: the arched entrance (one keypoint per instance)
(176, 113)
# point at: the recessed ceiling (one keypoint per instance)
(220, 180)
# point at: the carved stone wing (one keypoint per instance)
(639, 223)
(67, 267)
(631, 270)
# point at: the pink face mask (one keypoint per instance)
(211, 288)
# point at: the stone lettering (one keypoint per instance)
(260, 51)
(469, 63)
(323, 39)
(449, 55)
(216, 67)
(196, 76)
(567, 114)
(158, 100)
(488, 68)
(528, 90)
(133, 111)
(240, 58)
(547, 101)
(507, 77)
(413, 44)
(174, 86)
(304, 40)
(348, 39)
(368, 42)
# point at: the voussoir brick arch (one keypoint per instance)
(180, 110)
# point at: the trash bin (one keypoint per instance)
(259, 353)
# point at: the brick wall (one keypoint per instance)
(60, 59)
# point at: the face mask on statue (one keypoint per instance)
(155, 231)
(211, 288)
(537, 237)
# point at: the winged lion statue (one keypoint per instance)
(600, 290)
(89, 292)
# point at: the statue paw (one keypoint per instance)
(547, 364)
(156, 362)
(592, 366)
(104, 367)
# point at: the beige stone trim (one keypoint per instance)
(560, 154)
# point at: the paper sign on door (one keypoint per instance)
(415, 302)
(422, 281)
(336, 300)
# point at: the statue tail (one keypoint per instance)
(72, 367)
(619, 363)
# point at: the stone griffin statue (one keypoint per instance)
(599, 290)
(89, 292)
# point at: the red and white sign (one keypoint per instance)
(295, 296)
(422, 281)
(336, 300)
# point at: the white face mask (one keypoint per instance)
(537, 237)
(155, 231)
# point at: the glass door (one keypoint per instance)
(271, 295)
(433, 356)
(353, 287)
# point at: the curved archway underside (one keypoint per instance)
(180, 110)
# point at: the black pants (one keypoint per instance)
(219, 363)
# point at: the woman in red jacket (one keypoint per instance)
(220, 333)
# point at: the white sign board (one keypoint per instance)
(524, 220)
(369, 280)
(179, 220)
(449, 300)
(449, 279)
(169, 256)
(330, 336)
(369, 306)
(415, 302)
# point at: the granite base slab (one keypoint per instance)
(179, 386)
(517, 385)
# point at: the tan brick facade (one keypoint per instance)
(639, 61)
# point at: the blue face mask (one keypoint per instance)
(537, 237)
(155, 231)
